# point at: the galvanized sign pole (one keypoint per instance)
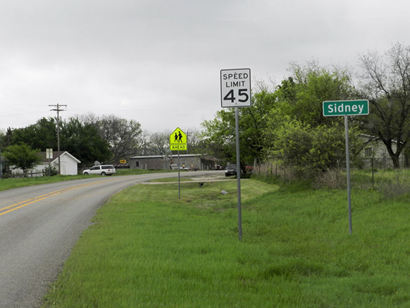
(179, 178)
(346, 109)
(235, 93)
(178, 141)
(238, 173)
(348, 171)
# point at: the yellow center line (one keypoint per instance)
(28, 200)
(21, 204)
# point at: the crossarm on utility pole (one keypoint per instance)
(58, 108)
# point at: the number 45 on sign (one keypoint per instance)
(236, 87)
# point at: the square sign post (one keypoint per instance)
(346, 108)
(235, 93)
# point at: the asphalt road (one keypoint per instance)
(40, 224)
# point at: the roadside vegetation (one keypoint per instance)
(146, 248)
(20, 182)
(10, 183)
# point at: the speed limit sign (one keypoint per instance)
(236, 87)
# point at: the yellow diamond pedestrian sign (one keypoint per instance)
(178, 140)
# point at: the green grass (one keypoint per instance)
(391, 183)
(147, 249)
(381, 176)
(10, 183)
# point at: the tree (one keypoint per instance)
(311, 149)
(196, 144)
(159, 143)
(301, 95)
(121, 135)
(40, 135)
(219, 133)
(144, 145)
(83, 140)
(387, 84)
(407, 156)
(296, 132)
(22, 156)
(3, 141)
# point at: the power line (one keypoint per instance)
(58, 108)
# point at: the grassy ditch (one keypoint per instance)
(147, 249)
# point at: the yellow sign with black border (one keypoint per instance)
(178, 140)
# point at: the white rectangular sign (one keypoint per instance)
(236, 87)
(49, 153)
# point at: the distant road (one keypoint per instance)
(40, 224)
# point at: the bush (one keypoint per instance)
(50, 171)
(311, 150)
(21, 156)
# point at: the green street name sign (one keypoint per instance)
(342, 108)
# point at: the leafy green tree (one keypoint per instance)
(22, 156)
(2, 140)
(124, 137)
(387, 84)
(41, 135)
(311, 149)
(296, 131)
(301, 95)
(84, 141)
(219, 133)
(297, 101)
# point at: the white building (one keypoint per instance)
(69, 164)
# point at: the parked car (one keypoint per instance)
(101, 170)
(230, 170)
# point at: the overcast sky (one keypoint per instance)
(158, 62)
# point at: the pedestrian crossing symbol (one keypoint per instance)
(178, 140)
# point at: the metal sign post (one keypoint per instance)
(179, 178)
(238, 173)
(346, 109)
(178, 141)
(235, 93)
(348, 172)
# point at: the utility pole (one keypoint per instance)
(58, 108)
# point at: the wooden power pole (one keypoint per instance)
(58, 108)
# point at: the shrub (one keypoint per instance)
(311, 150)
